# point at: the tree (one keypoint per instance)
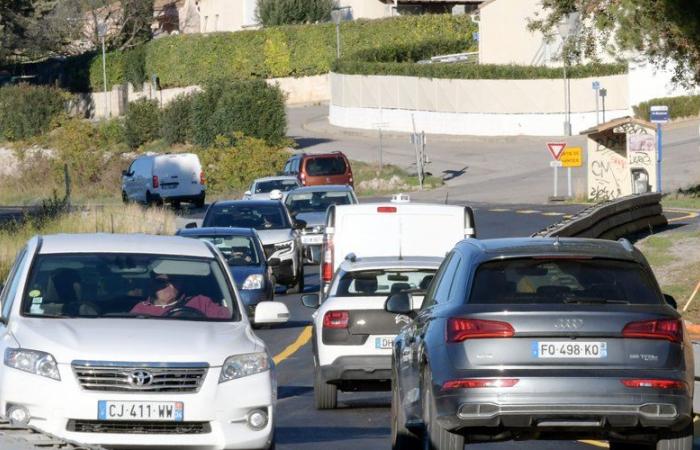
(285, 12)
(666, 31)
(17, 20)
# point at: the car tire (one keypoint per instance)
(177, 204)
(325, 395)
(435, 436)
(199, 203)
(401, 437)
(630, 446)
(682, 440)
(125, 198)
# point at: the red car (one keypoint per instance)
(319, 169)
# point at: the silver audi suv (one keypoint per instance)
(539, 338)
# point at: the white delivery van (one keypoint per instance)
(172, 178)
(395, 228)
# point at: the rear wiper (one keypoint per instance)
(594, 301)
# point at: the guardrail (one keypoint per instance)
(23, 437)
(612, 219)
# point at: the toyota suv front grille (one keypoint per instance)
(137, 427)
(140, 377)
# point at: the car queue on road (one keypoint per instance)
(477, 340)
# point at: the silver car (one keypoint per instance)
(542, 339)
(261, 188)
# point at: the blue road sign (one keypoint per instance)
(475, 36)
(596, 85)
(659, 114)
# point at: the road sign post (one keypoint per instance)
(596, 88)
(659, 115)
(556, 149)
(571, 157)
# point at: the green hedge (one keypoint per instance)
(27, 111)
(294, 50)
(678, 107)
(472, 71)
(142, 122)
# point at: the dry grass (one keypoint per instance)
(109, 219)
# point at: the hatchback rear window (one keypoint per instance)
(316, 167)
(382, 282)
(563, 281)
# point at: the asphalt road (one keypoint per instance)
(362, 419)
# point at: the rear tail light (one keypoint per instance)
(668, 329)
(336, 320)
(202, 178)
(476, 383)
(386, 209)
(155, 181)
(302, 177)
(327, 264)
(459, 330)
(655, 384)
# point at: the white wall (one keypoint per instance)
(222, 15)
(647, 81)
(367, 9)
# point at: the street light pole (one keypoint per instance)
(101, 33)
(337, 16)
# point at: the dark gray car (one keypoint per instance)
(542, 339)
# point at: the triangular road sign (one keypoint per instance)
(556, 149)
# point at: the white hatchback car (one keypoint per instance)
(134, 340)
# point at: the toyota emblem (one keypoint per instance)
(140, 378)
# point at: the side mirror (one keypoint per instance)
(247, 194)
(271, 312)
(399, 303)
(311, 300)
(125, 173)
(191, 225)
(299, 224)
(274, 262)
(671, 301)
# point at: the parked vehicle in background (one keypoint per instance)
(246, 261)
(171, 178)
(261, 188)
(310, 205)
(134, 341)
(395, 228)
(280, 235)
(352, 333)
(542, 338)
(323, 168)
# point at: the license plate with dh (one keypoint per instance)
(570, 349)
(160, 411)
(384, 342)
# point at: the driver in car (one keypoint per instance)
(167, 299)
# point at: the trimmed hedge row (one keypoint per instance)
(678, 107)
(472, 71)
(294, 50)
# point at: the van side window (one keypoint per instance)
(288, 167)
(9, 293)
(432, 296)
(295, 165)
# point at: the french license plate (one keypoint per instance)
(569, 349)
(168, 186)
(161, 411)
(384, 342)
(312, 239)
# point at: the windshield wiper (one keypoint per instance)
(594, 301)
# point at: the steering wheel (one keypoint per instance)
(184, 311)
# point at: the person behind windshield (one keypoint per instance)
(166, 296)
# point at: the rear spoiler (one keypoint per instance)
(469, 223)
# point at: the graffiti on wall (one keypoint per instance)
(604, 176)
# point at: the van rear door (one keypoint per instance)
(178, 174)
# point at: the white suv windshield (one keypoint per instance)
(128, 285)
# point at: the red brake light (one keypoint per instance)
(459, 330)
(669, 329)
(155, 181)
(302, 177)
(327, 264)
(336, 319)
(476, 383)
(202, 178)
(654, 384)
(386, 209)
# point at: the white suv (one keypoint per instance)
(353, 335)
(134, 340)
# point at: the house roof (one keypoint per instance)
(607, 126)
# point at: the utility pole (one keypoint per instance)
(101, 32)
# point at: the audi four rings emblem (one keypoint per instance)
(140, 378)
(568, 324)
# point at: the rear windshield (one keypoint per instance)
(316, 201)
(563, 281)
(267, 217)
(263, 187)
(381, 283)
(325, 166)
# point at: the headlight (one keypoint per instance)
(254, 281)
(240, 366)
(284, 246)
(32, 361)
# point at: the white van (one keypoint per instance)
(392, 229)
(173, 178)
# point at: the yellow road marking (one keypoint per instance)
(568, 216)
(528, 211)
(303, 338)
(553, 214)
(600, 444)
(499, 210)
(691, 215)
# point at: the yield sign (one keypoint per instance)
(556, 149)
